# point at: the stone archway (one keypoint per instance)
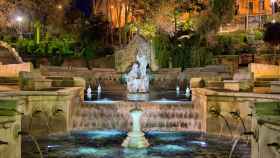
(8, 54)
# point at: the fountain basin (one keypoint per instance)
(83, 144)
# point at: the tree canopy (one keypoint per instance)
(272, 33)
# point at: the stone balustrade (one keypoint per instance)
(13, 70)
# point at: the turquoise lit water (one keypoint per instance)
(107, 144)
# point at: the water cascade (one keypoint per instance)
(136, 138)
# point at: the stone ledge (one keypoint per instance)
(210, 92)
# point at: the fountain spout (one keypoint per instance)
(89, 92)
(177, 90)
(236, 115)
(136, 138)
(99, 89)
(217, 113)
(188, 92)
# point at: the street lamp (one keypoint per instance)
(273, 10)
(19, 20)
(59, 7)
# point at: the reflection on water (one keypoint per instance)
(167, 101)
(107, 144)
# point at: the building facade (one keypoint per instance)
(250, 14)
(253, 7)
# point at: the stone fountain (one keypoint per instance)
(137, 83)
(136, 138)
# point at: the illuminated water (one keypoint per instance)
(107, 144)
(160, 97)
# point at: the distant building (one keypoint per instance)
(253, 7)
(250, 14)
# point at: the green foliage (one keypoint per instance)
(8, 38)
(259, 35)
(220, 12)
(181, 56)
(147, 29)
(26, 46)
(201, 56)
(224, 9)
(187, 25)
(45, 48)
(182, 53)
(37, 33)
(89, 52)
(236, 42)
(161, 45)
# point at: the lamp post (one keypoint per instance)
(19, 20)
(247, 16)
(273, 10)
(59, 7)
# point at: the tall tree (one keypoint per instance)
(48, 12)
(272, 37)
(6, 9)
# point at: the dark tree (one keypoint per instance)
(272, 36)
(272, 33)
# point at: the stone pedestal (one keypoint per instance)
(136, 138)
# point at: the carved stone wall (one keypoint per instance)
(125, 57)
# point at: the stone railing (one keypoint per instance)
(231, 60)
(108, 78)
(265, 71)
(12, 70)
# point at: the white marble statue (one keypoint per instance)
(137, 78)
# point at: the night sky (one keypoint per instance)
(84, 5)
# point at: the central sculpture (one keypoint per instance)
(138, 78)
(137, 85)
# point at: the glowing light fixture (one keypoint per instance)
(59, 7)
(19, 19)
